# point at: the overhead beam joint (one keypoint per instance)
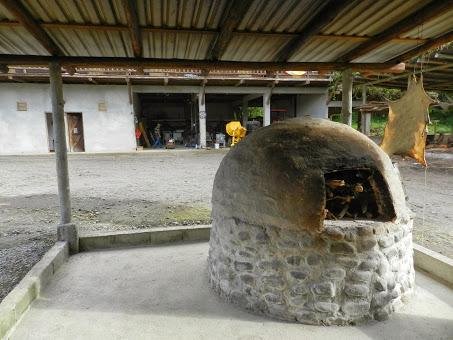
(426, 13)
(234, 13)
(32, 26)
(130, 9)
(326, 15)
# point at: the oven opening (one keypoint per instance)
(357, 194)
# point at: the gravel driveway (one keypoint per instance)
(149, 189)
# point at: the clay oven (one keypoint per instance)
(310, 224)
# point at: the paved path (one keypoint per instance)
(162, 293)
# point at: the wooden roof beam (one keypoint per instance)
(130, 9)
(325, 16)
(154, 63)
(235, 11)
(424, 14)
(31, 25)
(429, 45)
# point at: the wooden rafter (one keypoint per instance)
(374, 81)
(154, 63)
(426, 13)
(235, 11)
(31, 25)
(130, 9)
(429, 45)
(328, 13)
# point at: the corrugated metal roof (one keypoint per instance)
(437, 73)
(246, 47)
(87, 11)
(432, 28)
(17, 40)
(172, 45)
(92, 43)
(370, 17)
(387, 52)
(323, 50)
(5, 15)
(279, 16)
(200, 14)
(284, 18)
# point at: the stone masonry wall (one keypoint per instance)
(352, 272)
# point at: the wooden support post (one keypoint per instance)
(346, 109)
(245, 111)
(202, 118)
(130, 9)
(365, 124)
(66, 231)
(267, 109)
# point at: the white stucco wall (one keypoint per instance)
(314, 105)
(26, 131)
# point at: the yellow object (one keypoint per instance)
(235, 130)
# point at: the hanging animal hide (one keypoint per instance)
(406, 129)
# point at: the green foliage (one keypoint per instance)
(441, 121)
(378, 122)
(380, 94)
(256, 112)
(374, 93)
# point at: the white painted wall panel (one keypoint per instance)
(112, 130)
(314, 105)
(26, 131)
(23, 131)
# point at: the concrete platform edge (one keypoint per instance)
(434, 264)
(16, 303)
(437, 265)
(143, 238)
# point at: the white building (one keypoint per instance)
(103, 118)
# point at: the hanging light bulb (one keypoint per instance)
(296, 73)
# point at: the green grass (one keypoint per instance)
(191, 214)
(441, 122)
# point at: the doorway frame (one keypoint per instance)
(67, 114)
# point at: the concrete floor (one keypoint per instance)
(162, 293)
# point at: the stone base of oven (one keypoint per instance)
(352, 272)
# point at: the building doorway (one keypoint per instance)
(50, 136)
(75, 132)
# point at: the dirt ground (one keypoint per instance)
(149, 189)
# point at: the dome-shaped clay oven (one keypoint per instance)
(310, 224)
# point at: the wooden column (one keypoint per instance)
(346, 110)
(66, 230)
(267, 109)
(365, 124)
(202, 118)
(245, 111)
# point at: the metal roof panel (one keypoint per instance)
(200, 14)
(176, 45)
(387, 51)
(16, 40)
(247, 47)
(370, 17)
(321, 50)
(92, 43)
